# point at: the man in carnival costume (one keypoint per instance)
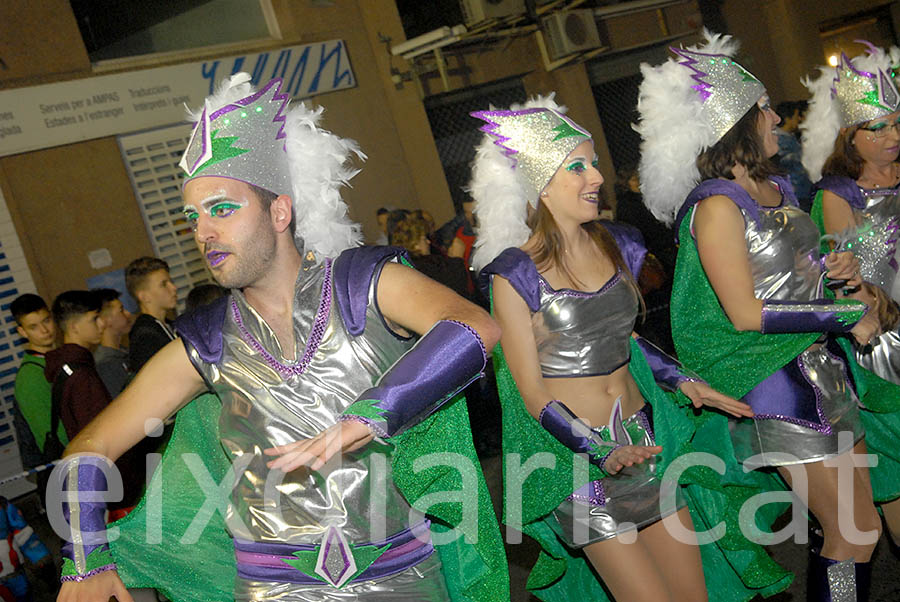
(327, 399)
(851, 134)
(748, 310)
(519, 154)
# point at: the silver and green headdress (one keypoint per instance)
(687, 105)
(521, 150)
(252, 136)
(857, 90)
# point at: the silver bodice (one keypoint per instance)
(268, 400)
(584, 334)
(784, 257)
(783, 250)
(875, 243)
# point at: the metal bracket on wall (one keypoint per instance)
(550, 65)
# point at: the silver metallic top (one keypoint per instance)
(268, 400)
(874, 240)
(584, 334)
(784, 254)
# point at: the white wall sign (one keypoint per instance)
(65, 112)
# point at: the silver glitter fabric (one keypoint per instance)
(783, 249)
(243, 141)
(863, 95)
(584, 334)
(537, 141)
(874, 239)
(629, 499)
(726, 89)
(268, 400)
(842, 581)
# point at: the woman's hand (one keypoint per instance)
(101, 586)
(843, 266)
(866, 329)
(628, 455)
(701, 394)
(345, 436)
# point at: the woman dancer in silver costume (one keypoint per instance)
(853, 146)
(748, 311)
(564, 293)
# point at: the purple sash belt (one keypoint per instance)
(334, 561)
(789, 395)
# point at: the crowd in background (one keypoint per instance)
(80, 353)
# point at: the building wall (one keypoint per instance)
(77, 198)
(69, 200)
(780, 38)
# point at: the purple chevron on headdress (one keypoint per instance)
(243, 140)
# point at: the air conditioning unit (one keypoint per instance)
(568, 32)
(475, 11)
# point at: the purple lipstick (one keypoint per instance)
(216, 257)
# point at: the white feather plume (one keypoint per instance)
(229, 90)
(501, 203)
(674, 129)
(822, 123)
(320, 164)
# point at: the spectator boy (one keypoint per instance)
(32, 391)
(83, 394)
(110, 357)
(147, 280)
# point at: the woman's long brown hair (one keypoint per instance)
(548, 250)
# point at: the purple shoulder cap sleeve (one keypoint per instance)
(352, 275)
(844, 187)
(715, 187)
(787, 189)
(630, 242)
(202, 328)
(516, 266)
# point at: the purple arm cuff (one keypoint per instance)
(668, 372)
(818, 315)
(442, 363)
(560, 422)
(84, 508)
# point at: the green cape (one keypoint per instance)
(203, 570)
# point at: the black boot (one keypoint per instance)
(863, 581)
(830, 580)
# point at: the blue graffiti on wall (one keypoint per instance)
(306, 70)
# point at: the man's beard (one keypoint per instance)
(250, 263)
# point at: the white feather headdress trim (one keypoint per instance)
(674, 129)
(499, 191)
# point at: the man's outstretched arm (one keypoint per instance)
(164, 385)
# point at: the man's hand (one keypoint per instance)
(99, 588)
(701, 394)
(345, 436)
